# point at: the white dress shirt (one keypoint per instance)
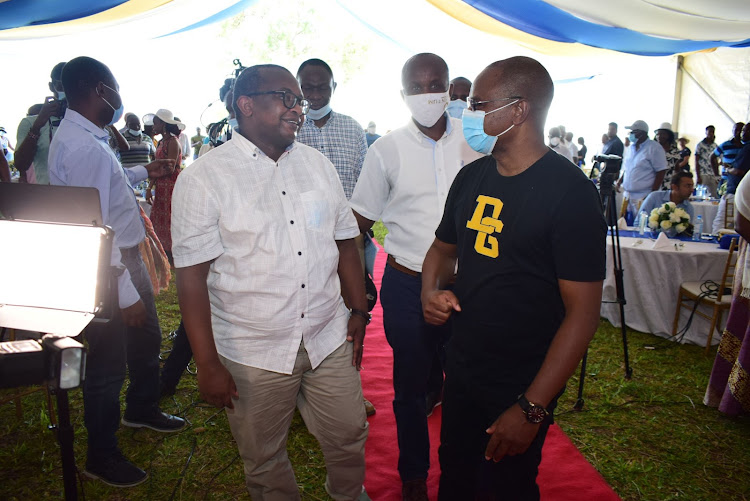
(269, 230)
(79, 155)
(404, 182)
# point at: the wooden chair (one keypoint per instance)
(17, 393)
(624, 208)
(729, 214)
(690, 292)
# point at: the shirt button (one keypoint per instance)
(303, 286)
(299, 253)
(291, 222)
(303, 315)
(283, 192)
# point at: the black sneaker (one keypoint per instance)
(116, 471)
(161, 421)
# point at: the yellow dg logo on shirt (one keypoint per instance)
(486, 244)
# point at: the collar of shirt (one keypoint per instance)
(422, 136)
(77, 118)
(247, 145)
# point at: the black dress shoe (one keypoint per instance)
(116, 471)
(161, 421)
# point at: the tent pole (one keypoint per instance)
(677, 94)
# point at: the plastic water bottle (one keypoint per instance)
(698, 229)
(642, 223)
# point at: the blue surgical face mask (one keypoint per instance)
(456, 108)
(118, 112)
(633, 138)
(473, 126)
(233, 123)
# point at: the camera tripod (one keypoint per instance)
(609, 209)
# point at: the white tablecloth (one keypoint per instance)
(652, 279)
(708, 211)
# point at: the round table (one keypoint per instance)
(652, 279)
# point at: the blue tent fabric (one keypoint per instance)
(18, 13)
(541, 19)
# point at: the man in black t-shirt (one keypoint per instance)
(527, 231)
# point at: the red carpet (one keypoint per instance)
(564, 475)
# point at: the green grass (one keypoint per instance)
(650, 437)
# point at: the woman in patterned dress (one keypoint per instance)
(169, 147)
(666, 138)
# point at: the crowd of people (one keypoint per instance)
(269, 234)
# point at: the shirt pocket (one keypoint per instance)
(317, 208)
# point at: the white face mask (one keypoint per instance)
(371, 130)
(554, 141)
(427, 109)
(318, 114)
(134, 132)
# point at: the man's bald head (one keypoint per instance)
(524, 77)
(424, 64)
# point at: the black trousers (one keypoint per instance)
(466, 474)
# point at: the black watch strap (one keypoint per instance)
(362, 314)
(535, 413)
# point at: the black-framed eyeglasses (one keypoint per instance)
(289, 99)
(473, 103)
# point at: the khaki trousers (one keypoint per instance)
(329, 399)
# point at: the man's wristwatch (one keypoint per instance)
(366, 315)
(535, 413)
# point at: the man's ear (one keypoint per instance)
(450, 90)
(245, 105)
(333, 87)
(521, 111)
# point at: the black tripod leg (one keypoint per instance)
(65, 437)
(579, 401)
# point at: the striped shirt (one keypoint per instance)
(141, 150)
(729, 151)
(342, 141)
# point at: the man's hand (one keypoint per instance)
(355, 333)
(511, 434)
(134, 315)
(160, 168)
(149, 199)
(51, 107)
(216, 386)
(438, 306)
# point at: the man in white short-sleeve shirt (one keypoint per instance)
(264, 250)
(404, 182)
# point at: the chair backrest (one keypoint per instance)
(727, 279)
(624, 208)
(729, 214)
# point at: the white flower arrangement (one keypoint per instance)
(669, 216)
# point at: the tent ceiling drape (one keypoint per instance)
(568, 27)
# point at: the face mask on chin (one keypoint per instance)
(318, 114)
(135, 132)
(427, 109)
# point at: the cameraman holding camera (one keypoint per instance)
(35, 133)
